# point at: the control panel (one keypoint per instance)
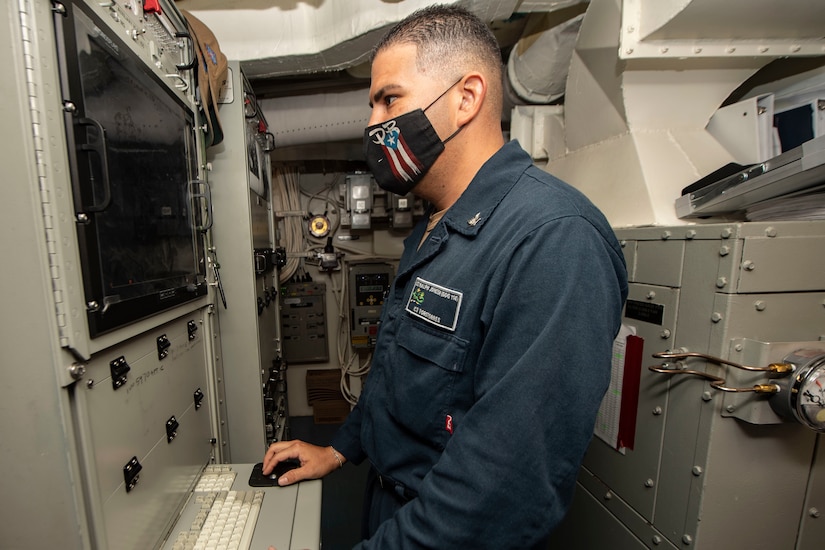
(369, 284)
(304, 323)
(159, 36)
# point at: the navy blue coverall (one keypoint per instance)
(491, 361)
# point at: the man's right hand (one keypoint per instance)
(316, 462)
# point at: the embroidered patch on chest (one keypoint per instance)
(435, 304)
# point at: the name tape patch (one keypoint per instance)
(435, 304)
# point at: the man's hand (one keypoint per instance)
(316, 462)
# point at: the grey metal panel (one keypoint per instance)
(724, 459)
(600, 519)
(627, 474)
(812, 526)
(248, 343)
(133, 417)
(789, 264)
(260, 216)
(118, 424)
(752, 472)
(306, 532)
(659, 262)
(37, 455)
(139, 519)
(784, 317)
(687, 408)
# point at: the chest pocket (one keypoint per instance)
(426, 368)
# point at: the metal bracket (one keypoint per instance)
(163, 347)
(172, 426)
(130, 473)
(119, 367)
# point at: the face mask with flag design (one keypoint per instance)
(400, 150)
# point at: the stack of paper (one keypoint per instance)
(804, 207)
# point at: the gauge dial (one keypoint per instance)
(802, 395)
(319, 226)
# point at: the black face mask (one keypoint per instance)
(400, 150)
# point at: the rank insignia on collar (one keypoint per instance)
(474, 220)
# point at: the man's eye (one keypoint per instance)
(388, 100)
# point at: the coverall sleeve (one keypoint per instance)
(347, 439)
(507, 474)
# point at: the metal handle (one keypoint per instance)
(207, 197)
(182, 85)
(194, 62)
(99, 148)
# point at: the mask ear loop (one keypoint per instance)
(451, 136)
(442, 94)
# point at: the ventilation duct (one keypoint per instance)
(538, 64)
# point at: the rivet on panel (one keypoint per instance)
(666, 235)
(687, 539)
(730, 408)
(697, 471)
(649, 483)
(608, 495)
(738, 347)
(716, 317)
(813, 512)
(665, 334)
(748, 265)
(707, 396)
(721, 282)
(724, 251)
(690, 234)
(726, 233)
(657, 540)
(770, 231)
(763, 49)
(650, 295)
(760, 305)
(657, 411)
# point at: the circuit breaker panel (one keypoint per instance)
(304, 322)
(728, 324)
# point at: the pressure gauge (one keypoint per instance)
(319, 226)
(801, 395)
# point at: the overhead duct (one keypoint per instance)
(319, 118)
(538, 64)
(284, 37)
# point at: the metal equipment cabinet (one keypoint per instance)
(711, 469)
(243, 241)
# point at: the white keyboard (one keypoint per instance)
(215, 477)
(225, 519)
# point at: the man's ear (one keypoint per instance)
(473, 89)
